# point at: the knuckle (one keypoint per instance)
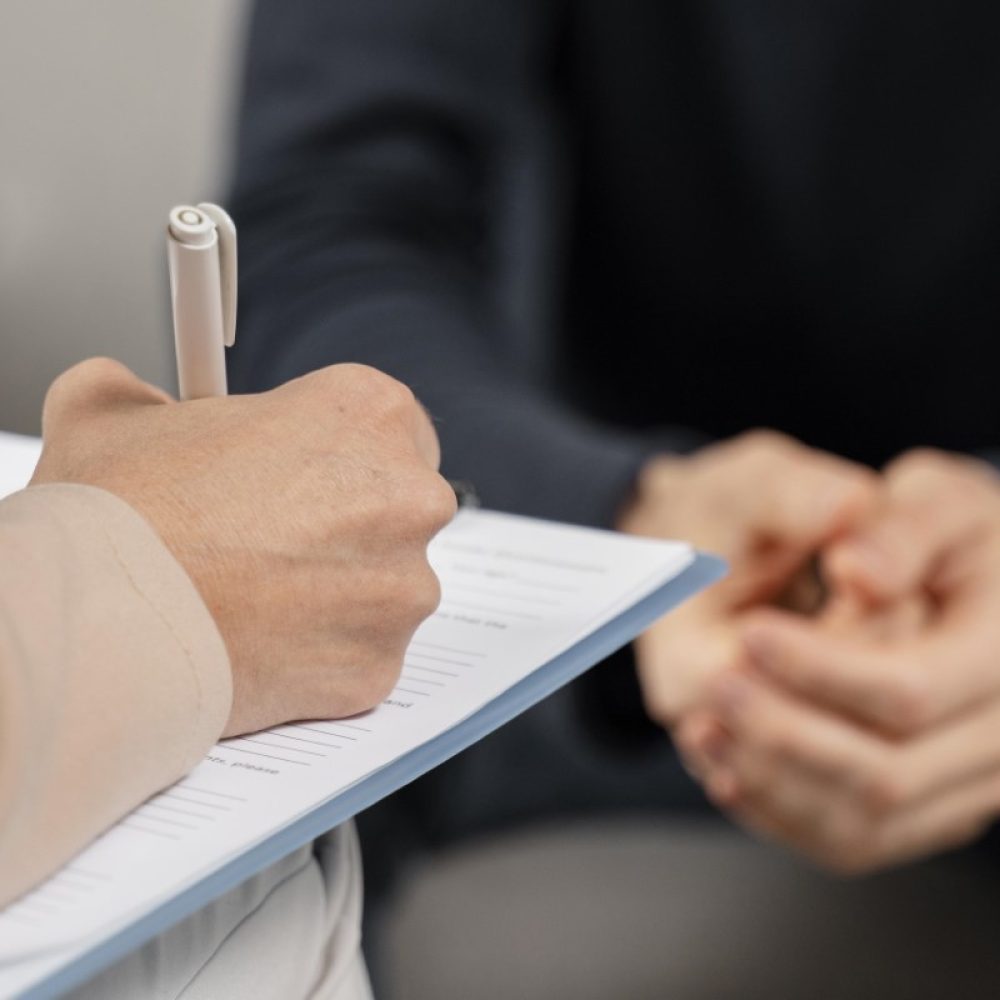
(384, 388)
(920, 457)
(424, 593)
(325, 381)
(409, 595)
(378, 678)
(763, 440)
(861, 485)
(928, 464)
(420, 504)
(384, 678)
(433, 503)
(378, 665)
(353, 371)
(406, 597)
(365, 384)
(397, 396)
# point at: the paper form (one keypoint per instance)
(18, 458)
(516, 593)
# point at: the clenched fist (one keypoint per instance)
(302, 515)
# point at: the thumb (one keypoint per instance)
(933, 505)
(804, 498)
(92, 387)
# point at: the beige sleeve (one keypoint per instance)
(114, 680)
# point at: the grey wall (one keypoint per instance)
(111, 111)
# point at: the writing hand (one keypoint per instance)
(302, 515)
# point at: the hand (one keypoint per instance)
(766, 504)
(302, 515)
(867, 750)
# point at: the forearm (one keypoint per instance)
(369, 196)
(114, 680)
(522, 451)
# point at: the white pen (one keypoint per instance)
(201, 253)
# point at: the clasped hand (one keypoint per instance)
(862, 732)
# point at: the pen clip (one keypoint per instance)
(225, 230)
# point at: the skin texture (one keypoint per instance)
(302, 515)
(866, 735)
(766, 504)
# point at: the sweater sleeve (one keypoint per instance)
(372, 195)
(114, 680)
(369, 197)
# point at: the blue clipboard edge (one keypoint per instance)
(702, 572)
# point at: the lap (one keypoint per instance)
(690, 911)
(293, 931)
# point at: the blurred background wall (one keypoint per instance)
(111, 112)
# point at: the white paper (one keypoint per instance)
(516, 593)
(18, 458)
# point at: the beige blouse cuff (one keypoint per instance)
(114, 680)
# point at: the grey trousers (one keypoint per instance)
(662, 908)
(293, 932)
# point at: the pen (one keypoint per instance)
(201, 254)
